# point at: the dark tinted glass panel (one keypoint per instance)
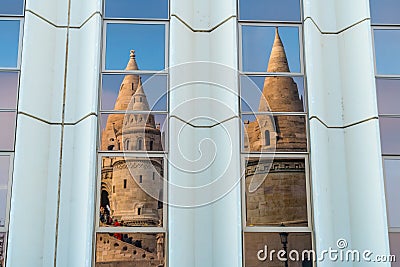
(9, 36)
(387, 51)
(394, 239)
(388, 92)
(8, 90)
(149, 9)
(385, 11)
(300, 242)
(130, 196)
(133, 132)
(148, 41)
(258, 41)
(276, 192)
(7, 119)
(123, 88)
(130, 249)
(392, 182)
(277, 94)
(11, 7)
(285, 133)
(273, 10)
(390, 135)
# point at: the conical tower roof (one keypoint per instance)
(280, 92)
(139, 99)
(128, 85)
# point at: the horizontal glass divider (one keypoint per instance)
(271, 23)
(6, 153)
(263, 73)
(388, 76)
(275, 113)
(394, 229)
(385, 26)
(295, 155)
(11, 17)
(9, 70)
(136, 19)
(391, 157)
(112, 229)
(138, 72)
(105, 112)
(156, 154)
(8, 110)
(389, 115)
(277, 229)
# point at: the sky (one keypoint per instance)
(275, 10)
(7, 119)
(388, 93)
(9, 40)
(148, 40)
(136, 9)
(390, 138)
(387, 51)
(8, 90)
(154, 86)
(251, 91)
(392, 171)
(385, 11)
(11, 7)
(257, 44)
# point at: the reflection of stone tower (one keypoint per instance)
(281, 198)
(124, 179)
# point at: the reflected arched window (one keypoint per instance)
(267, 138)
(139, 144)
(127, 145)
(151, 145)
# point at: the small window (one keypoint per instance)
(267, 138)
(154, 176)
(127, 145)
(140, 179)
(139, 211)
(139, 145)
(124, 183)
(113, 188)
(151, 145)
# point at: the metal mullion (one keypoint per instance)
(389, 115)
(386, 76)
(270, 74)
(282, 155)
(116, 229)
(277, 229)
(137, 72)
(274, 113)
(275, 22)
(394, 229)
(115, 111)
(139, 154)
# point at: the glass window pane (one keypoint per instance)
(8, 90)
(272, 10)
(7, 119)
(4, 170)
(131, 191)
(390, 135)
(276, 192)
(385, 11)
(9, 36)
(254, 242)
(137, 9)
(274, 93)
(387, 52)
(394, 239)
(124, 87)
(388, 93)
(133, 132)
(271, 49)
(3, 241)
(147, 40)
(11, 7)
(130, 249)
(270, 133)
(3, 205)
(392, 183)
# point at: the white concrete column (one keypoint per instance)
(346, 168)
(204, 156)
(52, 204)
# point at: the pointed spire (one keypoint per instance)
(139, 99)
(278, 60)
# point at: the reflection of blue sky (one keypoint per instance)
(388, 93)
(385, 11)
(11, 7)
(7, 120)
(392, 176)
(8, 90)
(9, 36)
(275, 10)
(148, 40)
(257, 44)
(136, 8)
(390, 135)
(387, 51)
(154, 86)
(251, 91)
